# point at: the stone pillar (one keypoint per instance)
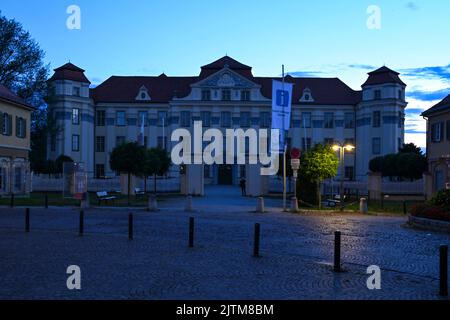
(257, 185)
(363, 208)
(192, 182)
(260, 208)
(427, 185)
(374, 186)
(124, 184)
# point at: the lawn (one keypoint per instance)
(37, 199)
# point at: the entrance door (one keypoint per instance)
(225, 175)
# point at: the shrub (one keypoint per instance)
(442, 198)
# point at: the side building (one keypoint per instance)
(438, 146)
(15, 119)
(225, 95)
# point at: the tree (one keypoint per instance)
(21, 63)
(318, 164)
(376, 164)
(411, 148)
(157, 164)
(59, 163)
(23, 71)
(128, 158)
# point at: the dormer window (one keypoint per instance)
(307, 96)
(206, 95)
(143, 94)
(245, 95)
(377, 95)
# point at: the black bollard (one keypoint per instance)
(27, 220)
(257, 240)
(81, 223)
(130, 226)
(191, 232)
(337, 251)
(46, 201)
(443, 270)
(12, 200)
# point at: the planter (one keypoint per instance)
(429, 224)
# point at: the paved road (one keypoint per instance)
(295, 264)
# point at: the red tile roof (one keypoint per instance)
(8, 96)
(383, 75)
(223, 62)
(69, 71)
(441, 106)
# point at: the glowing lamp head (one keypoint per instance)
(349, 147)
(336, 147)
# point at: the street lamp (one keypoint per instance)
(341, 148)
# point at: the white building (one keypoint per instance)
(224, 95)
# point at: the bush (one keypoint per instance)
(429, 211)
(441, 199)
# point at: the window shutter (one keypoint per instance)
(10, 125)
(433, 132)
(24, 123)
(1, 122)
(17, 127)
(448, 130)
(442, 132)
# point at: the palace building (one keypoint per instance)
(224, 95)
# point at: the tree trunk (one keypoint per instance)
(154, 184)
(145, 184)
(319, 196)
(129, 188)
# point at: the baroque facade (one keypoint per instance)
(224, 95)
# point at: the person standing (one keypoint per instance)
(243, 184)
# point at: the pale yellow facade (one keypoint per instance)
(11, 145)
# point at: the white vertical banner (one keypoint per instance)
(281, 108)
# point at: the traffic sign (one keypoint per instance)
(295, 164)
(295, 153)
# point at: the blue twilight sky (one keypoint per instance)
(318, 38)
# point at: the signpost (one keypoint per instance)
(295, 164)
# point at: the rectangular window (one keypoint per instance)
(400, 119)
(437, 132)
(376, 146)
(145, 141)
(142, 116)
(18, 179)
(377, 95)
(75, 142)
(245, 95)
(306, 145)
(448, 130)
(121, 119)
(206, 118)
(5, 118)
(206, 95)
(350, 173)
(265, 119)
(225, 119)
(100, 144)
(120, 140)
(100, 171)
(162, 119)
(207, 171)
(329, 120)
(20, 127)
(226, 95)
(101, 118)
(306, 119)
(376, 119)
(75, 116)
(185, 120)
(162, 143)
(76, 91)
(53, 142)
(349, 120)
(245, 119)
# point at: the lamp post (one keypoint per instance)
(341, 148)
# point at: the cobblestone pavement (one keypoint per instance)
(297, 251)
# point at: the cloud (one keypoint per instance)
(362, 66)
(429, 73)
(428, 95)
(412, 6)
(305, 73)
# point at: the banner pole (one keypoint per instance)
(284, 150)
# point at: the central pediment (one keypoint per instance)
(226, 78)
